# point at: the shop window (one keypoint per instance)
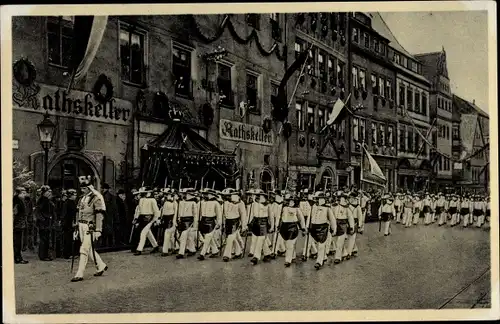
(355, 77)
(310, 117)
(299, 115)
(132, 54)
(252, 93)
(182, 71)
(60, 39)
(390, 135)
(355, 129)
(224, 85)
(253, 20)
(362, 130)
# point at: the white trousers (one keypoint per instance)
(362, 226)
(340, 246)
(427, 218)
(260, 245)
(279, 242)
(480, 221)
(86, 251)
(311, 248)
(387, 227)
(442, 218)
(232, 244)
(209, 241)
(455, 219)
(416, 217)
(467, 220)
(398, 215)
(351, 245)
(407, 217)
(290, 253)
(146, 233)
(168, 239)
(187, 241)
(322, 249)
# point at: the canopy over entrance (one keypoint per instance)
(180, 157)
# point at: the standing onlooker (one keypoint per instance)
(19, 223)
(29, 233)
(45, 215)
(124, 222)
(109, 236)
(57, 231)
(68, 216)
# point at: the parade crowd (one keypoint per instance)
(223, 223)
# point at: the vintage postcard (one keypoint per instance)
(250, 162)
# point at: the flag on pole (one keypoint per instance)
(337, 109)
(371, 171)
(88, 32)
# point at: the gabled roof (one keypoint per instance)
(465, 107)
(380, 26)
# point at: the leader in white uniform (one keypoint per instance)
(146, 213)
(91, 211)
(291, 221)
(235, 220)
(168, 212)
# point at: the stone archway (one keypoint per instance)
(327, 177)
(266, 179)
(65, 170)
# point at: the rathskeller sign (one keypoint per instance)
(235, 131)
(77, 104)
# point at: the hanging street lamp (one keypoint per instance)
(46, 131)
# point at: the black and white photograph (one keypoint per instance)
(225, 162)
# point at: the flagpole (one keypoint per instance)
(300, 75)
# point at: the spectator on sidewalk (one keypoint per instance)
(109, 235)
(124, 220)
(68, 216)
(29, 233)
(19, 223)
(45, 215)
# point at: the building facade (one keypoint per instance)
(373, 76)
(435, 69)
(317, 155)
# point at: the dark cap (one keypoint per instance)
(105, 186)
(121, 192)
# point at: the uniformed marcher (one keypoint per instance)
(398, 206)
(351, 247)
(235, 220)
(364, 203)
(479, 210)
(408, 210)
(427, 209)
(306, 203)
(146, 214)
(187, 222)
(466, 210)
(251, 209)
(210, 221)
(277, 244)
(440, 209)
(262, 223)
(417, 208)
(168, 212)
(454, 210)
(345, 224)
(91, 212)
(322, 225)
(292, 221)
(386, 213)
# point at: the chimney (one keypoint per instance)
(474, 102)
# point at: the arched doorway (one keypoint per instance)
(65, 172)
(266, 180)
(326, 179)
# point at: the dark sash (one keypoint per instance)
(167, 221)
(478, 212)
(319, 232)
(439, 209)
(185, 222)
(341, 227)
(386, 216)
(207, 224)
(452, 210)
(488, 212)
(289, 231)
(396, 208)
(259, 226)
(232, 225)
(464, 211)
(427, 209)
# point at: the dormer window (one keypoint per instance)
(363, 18)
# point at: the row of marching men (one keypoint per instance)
(220, 223)
(452, 209)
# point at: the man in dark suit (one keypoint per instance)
(19, 223)
(45, 215)
(123, 219)
(29, 233)
(68, 216)
(109, 236)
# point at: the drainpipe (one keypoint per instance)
(348, 86)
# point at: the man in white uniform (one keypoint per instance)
(168, 212)
(291, 221)
(262, 223)
(211, 220)
(146, 213)
(187, 222)
(235, 219)
(322, 225)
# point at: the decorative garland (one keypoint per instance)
(24, 72)
(302, 141)
(103, 81)
(253, 35)
(267, 124)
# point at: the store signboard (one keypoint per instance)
(240, 132)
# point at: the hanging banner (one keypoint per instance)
(235, 131)
(468, 124)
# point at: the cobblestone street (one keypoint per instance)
(423, 267)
